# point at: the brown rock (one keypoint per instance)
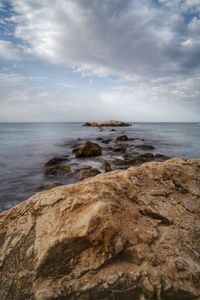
(123, 235)
(57, 170)
(122, 138)
(87, 150)
(86, 172)
(106, 167)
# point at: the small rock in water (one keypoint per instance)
(56, 160)
(145, 147)
(106, 167)
(58, 170)
(119, 148)
(87, 150)
(122, 138)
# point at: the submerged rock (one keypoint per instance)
(119, 148)
(56, 160)
(145, 147)
(86, 172)
(130, 234)
(87, 150)
(112, 123)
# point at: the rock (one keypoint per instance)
(106, 167)
(119, 148)
(87, 150)
(122, 138)
(113, 129)
(57, 170)
(86, 172)
(145, 147)
(56, 160)
(107, 148)
(106, 141)
(121, 235)
(112, 123)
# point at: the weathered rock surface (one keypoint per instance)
(87, 150)
(112, 123)
(125, 235)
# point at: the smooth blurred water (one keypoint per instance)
(25, 147)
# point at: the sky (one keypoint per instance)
(88, 60)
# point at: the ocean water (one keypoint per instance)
(26, 147)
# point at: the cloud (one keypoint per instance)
(109, 37)
(10, 51)
(149, 49)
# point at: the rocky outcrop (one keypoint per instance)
(124, 235)
(112, 123)
(87, 150)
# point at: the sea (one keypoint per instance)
(26, 147)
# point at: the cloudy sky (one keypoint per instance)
(77, 60)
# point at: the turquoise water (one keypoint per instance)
(25, 147)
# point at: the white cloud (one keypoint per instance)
(152, 48)
(104, 37)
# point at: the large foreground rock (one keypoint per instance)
(131, 234)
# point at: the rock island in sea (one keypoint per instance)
(111, 123)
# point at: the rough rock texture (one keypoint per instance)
(112, 123)
(87, 150)
(125, 235)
